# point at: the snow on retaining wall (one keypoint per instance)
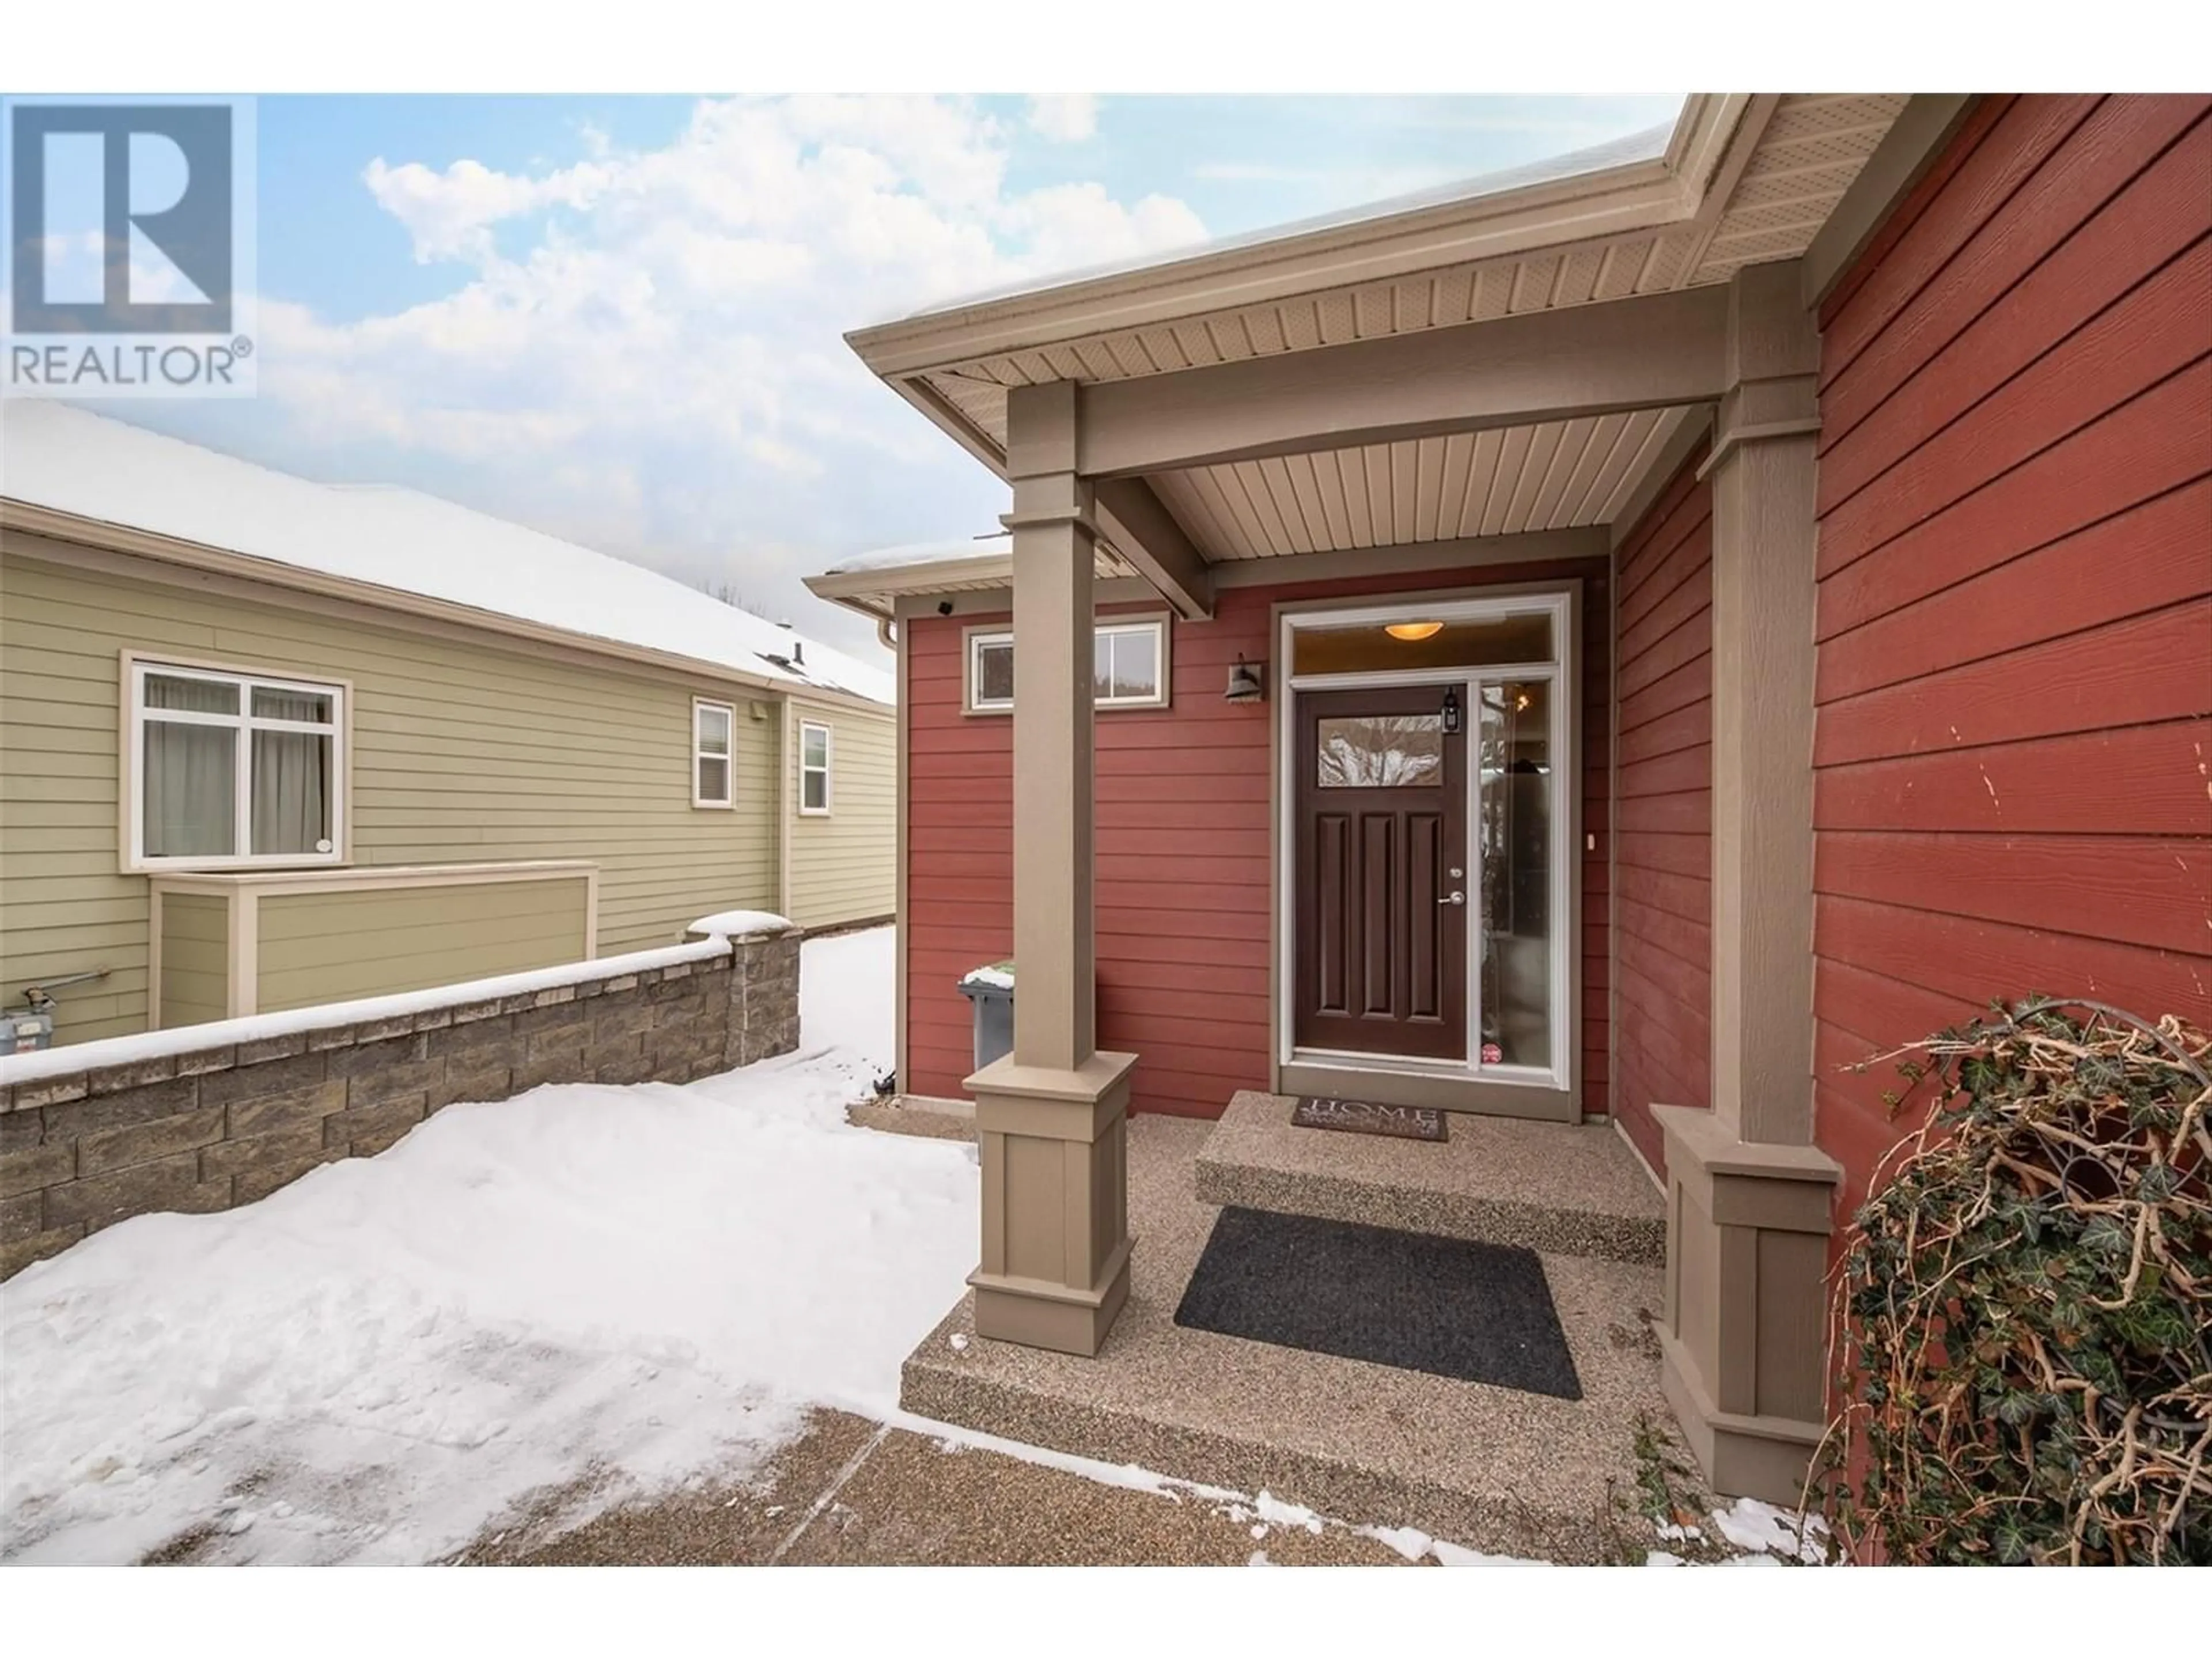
(208, 1116)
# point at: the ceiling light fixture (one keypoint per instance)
(1410, 631)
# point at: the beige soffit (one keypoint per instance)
(1557, 475)
(1743, 179)
(33, 520)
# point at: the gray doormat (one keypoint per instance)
(1481, 1313)
(1369, 1117)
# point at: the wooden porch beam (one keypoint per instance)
(1146, 534)
(1644, 353)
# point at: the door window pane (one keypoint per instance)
(191, 789)
(1381, 751)
(1519, 799)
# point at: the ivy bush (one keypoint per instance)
(2022, 1326)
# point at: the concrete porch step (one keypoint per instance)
(1488, 1468)
(1561, 1189)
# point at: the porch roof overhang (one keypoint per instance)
(1409, 375)
(874, 584)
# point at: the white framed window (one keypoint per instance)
(714, 732)
(990, 673)
(232, 770)
(1129, 666)
(813, 770)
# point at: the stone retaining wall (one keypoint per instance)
(208, 1129)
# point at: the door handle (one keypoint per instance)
(1455, 897)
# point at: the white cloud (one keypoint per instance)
(450, 214)
(1066, 120)
(644, 347)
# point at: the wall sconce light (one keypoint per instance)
(1246, 683)
(1410, 631)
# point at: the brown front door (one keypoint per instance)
(1381, 849)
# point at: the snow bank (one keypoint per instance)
(378, 1360)
(255, 1027)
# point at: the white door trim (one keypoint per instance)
(1559, 603)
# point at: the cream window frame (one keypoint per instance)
(728, 802)
(824, 770)
(135, 715)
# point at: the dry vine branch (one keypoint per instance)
(2022, 1328)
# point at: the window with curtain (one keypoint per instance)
(232, 768)
(713, 725)
(813, 769)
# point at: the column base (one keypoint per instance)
(1761, 1457)
(1744, 1344)
(1054, 1145)
(1038, 1315)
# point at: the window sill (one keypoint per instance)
(308, 863)
(375, 875)
(1096, 708)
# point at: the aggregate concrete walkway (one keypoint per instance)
(1492, 1469)
(852, 1492)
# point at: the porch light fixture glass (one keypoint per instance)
(1410, 631)
(1244, 683)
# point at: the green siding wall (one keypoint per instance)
(330, 947)
(195, 958)
(844, 867)
(464, 751)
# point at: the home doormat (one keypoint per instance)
(1451, 1307)
(1369, 1117)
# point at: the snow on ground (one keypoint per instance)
(642, 1284)
(373, 1363)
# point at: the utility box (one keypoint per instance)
(990, 994)
(24, 1030)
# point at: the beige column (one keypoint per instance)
(1749, 1197)
(1051, 1117)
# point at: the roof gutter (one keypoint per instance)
(31, 518)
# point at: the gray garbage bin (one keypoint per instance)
(990, 993)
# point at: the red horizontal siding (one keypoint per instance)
(1183, 843)
(2015, 605)
(1663, 811)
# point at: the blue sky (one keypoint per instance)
(619, 319)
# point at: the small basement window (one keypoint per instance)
(1128, 667)
(813, 769)
(231, 770)
(712, 727)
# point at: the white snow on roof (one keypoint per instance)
(69, 461)
(923, 553)
(1648, 145)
